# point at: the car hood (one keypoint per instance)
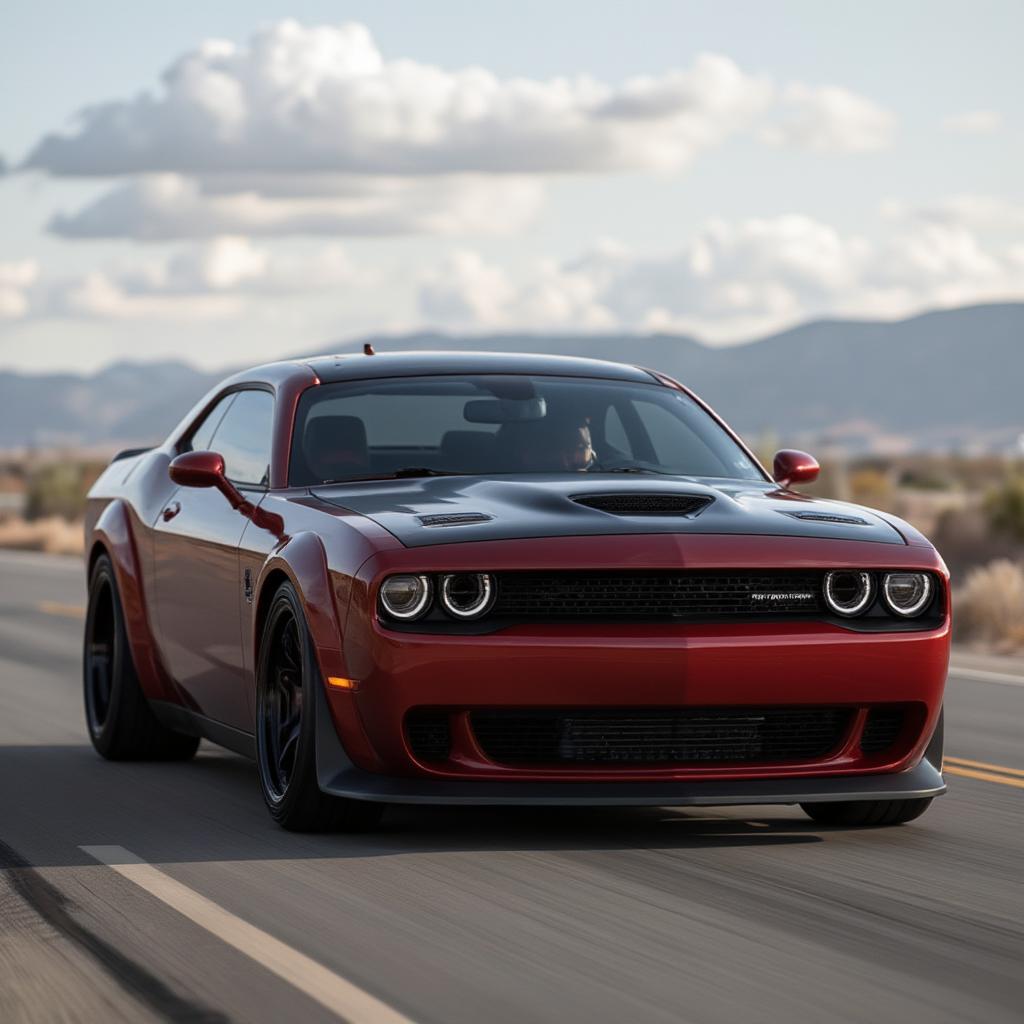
(451, 509)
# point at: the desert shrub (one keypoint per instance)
(1004, 506)
(871, 487)
(59, 489)
(988, 609)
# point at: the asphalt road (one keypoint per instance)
(456, 915)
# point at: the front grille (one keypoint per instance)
(544, 736)
(429, 734)
(881, 729)
(645, 504)
(655, 595)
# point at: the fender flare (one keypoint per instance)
(114, 536)
(303, 561)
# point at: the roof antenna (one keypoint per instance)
(368, 349)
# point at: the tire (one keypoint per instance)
(867, 813)
(120, 722)
(286, 677)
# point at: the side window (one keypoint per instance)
(663, 430)
(243, 438)
(615, 432)
(203, 434)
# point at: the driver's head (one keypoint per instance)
(574, 449)
(554, 444)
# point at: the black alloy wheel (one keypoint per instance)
(286, 678)
(121, 724)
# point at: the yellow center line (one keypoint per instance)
(970, 773)
(69, 611)
(964, 762)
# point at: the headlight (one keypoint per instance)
(907, 593)
(848, 593)
(467, 595)
(405, 597)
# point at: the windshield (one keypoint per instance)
(502, 424)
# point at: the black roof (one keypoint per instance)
(415, 364)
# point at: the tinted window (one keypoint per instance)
(203, 434)
(491, 424)
(243, 438)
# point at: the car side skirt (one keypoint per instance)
(180, 719)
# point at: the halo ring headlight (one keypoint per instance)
(907, 593)
(406, 596)
(467, 595)
(848, 593)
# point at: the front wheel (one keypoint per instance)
(867, 813)
(286, 728)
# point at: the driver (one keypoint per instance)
(554, 444)
(574, 450)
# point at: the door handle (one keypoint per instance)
(171, 511)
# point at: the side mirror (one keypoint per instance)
(793, 467)
(198, 469)
(206, 469)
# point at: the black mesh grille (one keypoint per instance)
(645, 504)
(655, 595)
(881, 729)
(586, 736)
(429, 734)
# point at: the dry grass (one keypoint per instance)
(989, 608)
(52, 535)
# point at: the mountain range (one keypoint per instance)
(951, 379)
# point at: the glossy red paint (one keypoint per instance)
(653, 665)
(794, 467)
(195, 586)
(113, 534)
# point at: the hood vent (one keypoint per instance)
(826, 517)
(455, 519)
(645, 504)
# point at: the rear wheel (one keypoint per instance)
(286, 728)
(867, 813)
(121, 723)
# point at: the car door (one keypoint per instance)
(197, 575)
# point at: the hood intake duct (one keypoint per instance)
(645, 504)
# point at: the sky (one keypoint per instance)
(241, 181)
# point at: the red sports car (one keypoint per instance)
(507, 579)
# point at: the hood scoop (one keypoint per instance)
(455, 519)
(826, 517)
(655, 504)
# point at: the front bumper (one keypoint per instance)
(339, 777)
(587, 666)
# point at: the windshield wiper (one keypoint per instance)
(634, 469)
(399, 474)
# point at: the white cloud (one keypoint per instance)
(830, 119)
(733, 281)
(324, 100)
(974, 122)
(16, 278)
(312, 131)
(169, 206)
(979, 213)
(218, 279)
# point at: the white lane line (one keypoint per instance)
(982, 675)
(309, 977)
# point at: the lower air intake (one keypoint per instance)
(657, 736)
(429, 734)
(881, 729)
